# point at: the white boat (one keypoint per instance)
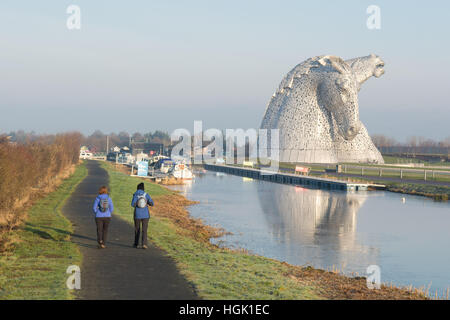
(181, 171)
(163, 166)
(153, 160)
(166, 166)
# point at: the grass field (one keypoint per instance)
(220, 273)
(397, 160)
(36, 266)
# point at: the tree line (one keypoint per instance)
(97, 140)
(413, 144)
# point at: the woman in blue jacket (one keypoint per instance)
(140, 202)
(103, 207)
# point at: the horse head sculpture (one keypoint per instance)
(316, 110)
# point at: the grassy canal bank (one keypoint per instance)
(438, 193)
(220, 273)
(34, 266)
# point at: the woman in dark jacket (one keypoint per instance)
(103, 208)
(140, 202)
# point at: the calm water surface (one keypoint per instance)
(409, 240)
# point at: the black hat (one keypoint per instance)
(140, 186)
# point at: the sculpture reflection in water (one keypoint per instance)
(317, 227)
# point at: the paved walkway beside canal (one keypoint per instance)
(119, 271)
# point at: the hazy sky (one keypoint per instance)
(146, 65)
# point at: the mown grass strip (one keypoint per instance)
(36, 267)
(217, 273)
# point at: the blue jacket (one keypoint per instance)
(141, 213)
(96, 208)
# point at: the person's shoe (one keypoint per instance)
(144, 247)
(102, 246)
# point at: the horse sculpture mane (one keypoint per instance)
(316, 110)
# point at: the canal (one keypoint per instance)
(408, 237)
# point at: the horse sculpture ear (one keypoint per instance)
(336, 62)
(323, 61)
(338, 67)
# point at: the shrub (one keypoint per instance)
(31, 165)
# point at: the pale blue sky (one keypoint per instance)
(146, 65)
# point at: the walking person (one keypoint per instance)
(141, 201)
(103, 208)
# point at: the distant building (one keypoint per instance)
(141, 157)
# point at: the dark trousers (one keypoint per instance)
(140, 227)
(102, 229)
